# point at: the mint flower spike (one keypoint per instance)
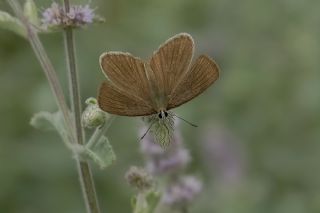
(81, 14)
(56, 17)
(183, 192)
(52, 16)
(139, 178)
(165, 161)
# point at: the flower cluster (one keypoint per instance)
(77, 16)
(180, 190)
(225, 155)
(164, 161)
(139, 178)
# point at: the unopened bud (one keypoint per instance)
(93, 116)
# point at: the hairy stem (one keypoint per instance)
(74, 128)
(46, 66)
(99, 132)
(85, 175)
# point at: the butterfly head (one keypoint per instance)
(163, 114)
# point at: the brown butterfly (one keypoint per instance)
(138, 88)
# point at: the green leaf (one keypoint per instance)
(153, 199)
(145, 202)
(31, 12)
(43, 120)
(101, 153)
(13, 24)
(50, 121)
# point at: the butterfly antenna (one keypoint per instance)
(188, 122)
(146, 131)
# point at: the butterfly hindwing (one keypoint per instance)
(127, 73)
(201, 75)
(126, 92)
(118, 102)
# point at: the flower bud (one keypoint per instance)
(139, 178)
(93, 116)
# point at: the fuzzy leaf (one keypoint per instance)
(101, 153)
(50, 121)
(44, 120)
(31, 12)
(13, 24)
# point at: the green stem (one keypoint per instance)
(46, 66)
(85, 175)
(100, 131)
(73, 83)
(141, 203)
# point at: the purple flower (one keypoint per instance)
(221, 148)
(182, 192)
(78, 15)
(52, 15)
(162, 161)
(178, 191)
(170, 163)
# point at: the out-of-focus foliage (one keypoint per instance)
(257, 146)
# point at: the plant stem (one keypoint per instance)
(99, 132)
(85, 176)
(73, 83)
(46, 66)
(141, 203)
(86, 179)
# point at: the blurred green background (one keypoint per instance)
(257, 147)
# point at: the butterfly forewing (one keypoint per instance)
(201, 75)
(118, 102)
(168, 64)
(127, 73)
(126, 92)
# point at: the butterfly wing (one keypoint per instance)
(126, 92)
(167, 65)
(115, 101)
(200, 76)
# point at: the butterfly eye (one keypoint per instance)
(165, 114)
(160, 116)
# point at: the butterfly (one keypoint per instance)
(140, 88)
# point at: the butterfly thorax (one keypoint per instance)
(163, 114)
